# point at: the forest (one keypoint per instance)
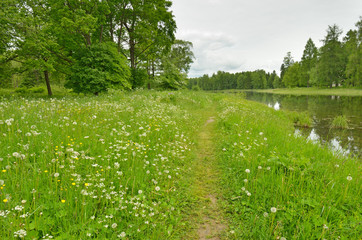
(338, 62)
(91, 46)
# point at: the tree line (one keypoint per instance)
(93, 45)
(337, 63)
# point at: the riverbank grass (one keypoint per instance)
(277, 185)
(340, 122)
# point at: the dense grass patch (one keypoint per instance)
(104, 167)
(277, 185)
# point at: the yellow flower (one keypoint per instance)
(73, 184)
(63, 201)
(86, 184)
(5, 200)
(3, 170)
(46, 171)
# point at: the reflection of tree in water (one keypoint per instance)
(323, 109)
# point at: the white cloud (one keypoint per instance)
(234, 35)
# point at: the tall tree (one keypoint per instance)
(147, 24)
(309, 59)
(287, 62)
(331, 65)
(353, 49)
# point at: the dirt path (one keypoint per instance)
(212, 224)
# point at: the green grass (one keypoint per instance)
(120, 166)
(103, 166)
(339, 122)
(266, 167)
(315, 91)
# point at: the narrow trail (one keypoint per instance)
(211, 222)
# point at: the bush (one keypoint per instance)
(98, 68)
(196, 88)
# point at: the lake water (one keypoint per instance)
(323, 109)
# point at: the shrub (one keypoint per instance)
(98, 68)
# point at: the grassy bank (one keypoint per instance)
(315, 91)
(122, 166)
(277, 185)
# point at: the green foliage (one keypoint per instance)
(292, 75)
(339, 122)
(196, 88)
(171, 77)
(138, 77)
(98, 68)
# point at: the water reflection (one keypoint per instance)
(323, 109)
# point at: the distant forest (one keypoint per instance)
(337, 63)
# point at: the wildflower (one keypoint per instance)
(247, 170)
(114, 225)
(63, 201)
(5, 200)
(260, 167)
(337, 166)
(325, 226)
(245, 180)
(283, 238)
(139, 191)
(157, 188)
(21, 233)
(56, 174)
(1, 182)
(122, 235)
(248, 193)
(243, 189)
(273, 210)
(349, 178)
(86, 184)
(23, 201)
(19, 208)
(266, 214)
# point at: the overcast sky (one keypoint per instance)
(243, 35)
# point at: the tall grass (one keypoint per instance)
(106, 167)
(278, 186)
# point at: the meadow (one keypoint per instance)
(122, 166)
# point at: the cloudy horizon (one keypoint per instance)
(236, 36)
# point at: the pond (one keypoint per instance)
(323, 109)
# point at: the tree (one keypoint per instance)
(98, 67)
(331, 65)
(353, 50)
(258, 79)
(148, 25)
(171, 77)
(309, 60)
(292, 75)
(287, 62)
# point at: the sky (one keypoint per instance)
(246, 35)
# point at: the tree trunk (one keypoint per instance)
(46, 76)
(132, 53)
(101, 34)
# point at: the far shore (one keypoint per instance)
(306, 91)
